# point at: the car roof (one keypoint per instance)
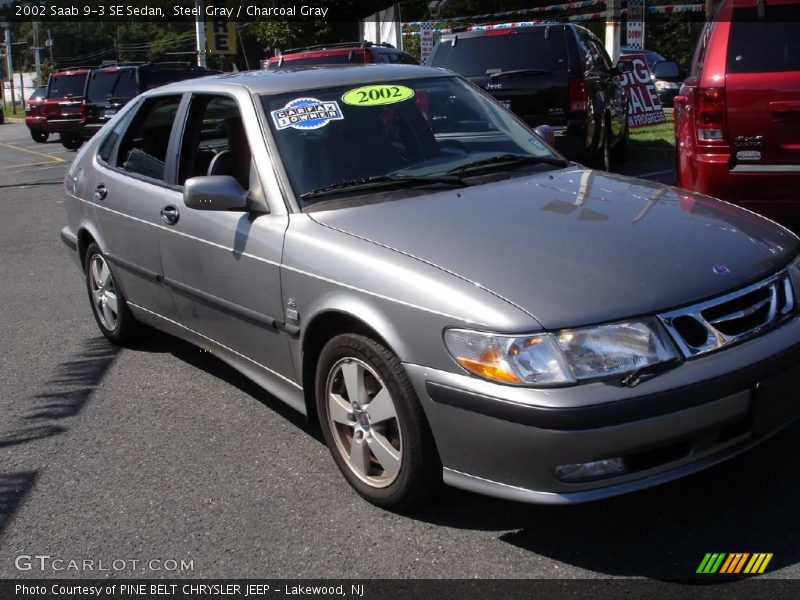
(291, 79)
(490, 28)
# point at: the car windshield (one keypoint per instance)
(63, 86)
(433, 130)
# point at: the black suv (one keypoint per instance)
(110, 87)
(553, 74)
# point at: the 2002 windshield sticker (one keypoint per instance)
(306, 113)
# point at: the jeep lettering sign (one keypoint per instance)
(644, 107)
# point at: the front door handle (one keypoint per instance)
(100, 192)
(170, 214)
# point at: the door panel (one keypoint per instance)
(223, 267)
(128, 192)
(129, 220)
(223, 271)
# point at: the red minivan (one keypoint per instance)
(737, 118)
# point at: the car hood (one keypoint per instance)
(575, 247)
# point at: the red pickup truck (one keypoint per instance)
(62, 111)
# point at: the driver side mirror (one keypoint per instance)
(546, 133)
(625, 66)
(214, 192)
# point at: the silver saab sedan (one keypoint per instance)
(397, 256)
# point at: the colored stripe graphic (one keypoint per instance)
(758, 563)
(734, 563)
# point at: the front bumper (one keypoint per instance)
(506, 441)
(34, 123)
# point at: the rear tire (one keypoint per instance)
(605, 148)
(620, 151)
(70, 142)
(39, 136)
(109, 306)
(374, 425)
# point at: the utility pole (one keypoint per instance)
(36, 56)
(612, 29)
(10, 67)
(49, 45)
(200, 29)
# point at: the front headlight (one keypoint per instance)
(565, 357)
(666, 85)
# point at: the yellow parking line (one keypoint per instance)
(49, 157)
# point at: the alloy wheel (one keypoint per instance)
(363, 419)
(104, 292)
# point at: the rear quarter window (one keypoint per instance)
(768, 45)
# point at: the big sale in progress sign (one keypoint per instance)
(644, 107)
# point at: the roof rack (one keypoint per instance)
(75, 68)
(336, 45)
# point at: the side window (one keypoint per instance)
(143, 149)
(586, 51)
(107, 146)
(600, 50)
(215, 142)
(407, 59)
(383, 57)
(700, 52)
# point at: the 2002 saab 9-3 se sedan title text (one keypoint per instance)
(394, 254)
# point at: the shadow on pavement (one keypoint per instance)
(14, 487)
(67, 392)
(157, 341)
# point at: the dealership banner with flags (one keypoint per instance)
(644, 107)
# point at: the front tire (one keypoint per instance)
(70, 142)
(374, 425)
(109, 306)
(38, 136)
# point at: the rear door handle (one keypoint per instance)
(170, 214)
(100, 192)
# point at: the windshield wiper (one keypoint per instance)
(503, 159)
(386, 180)
(515, 72)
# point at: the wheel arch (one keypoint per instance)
(333, 321)
(86, 236)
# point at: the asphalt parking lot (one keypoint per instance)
(162, 453)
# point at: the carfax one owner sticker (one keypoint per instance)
(306, 113)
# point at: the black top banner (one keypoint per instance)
(388, 589)
(186, 10)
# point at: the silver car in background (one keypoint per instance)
(395, 255)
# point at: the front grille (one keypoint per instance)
(716, 323)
